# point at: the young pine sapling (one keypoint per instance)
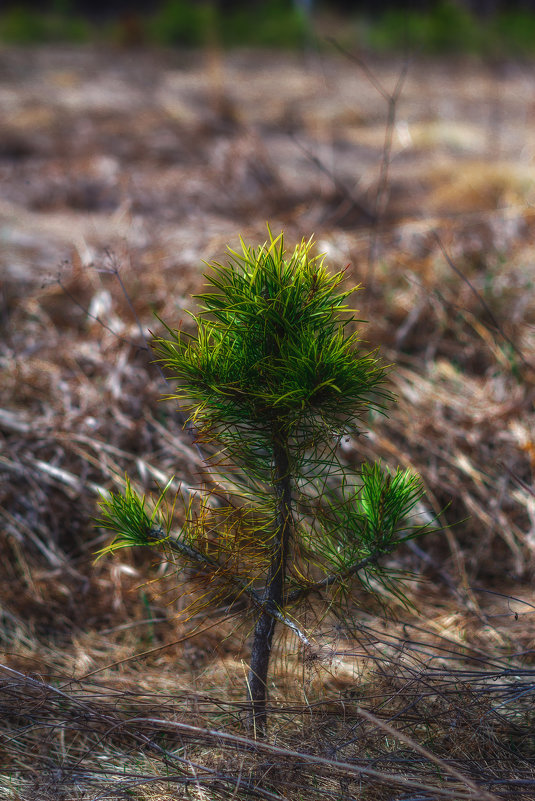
(271, 381)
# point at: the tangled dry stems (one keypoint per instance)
(412, 724)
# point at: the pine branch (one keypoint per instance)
(264, 606)
(335, 578)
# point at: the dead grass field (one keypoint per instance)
(138, 166)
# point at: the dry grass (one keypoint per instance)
(147, 165)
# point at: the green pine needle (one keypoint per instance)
(126, 514)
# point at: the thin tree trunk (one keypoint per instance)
(274, 594)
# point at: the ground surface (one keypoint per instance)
(144, 165)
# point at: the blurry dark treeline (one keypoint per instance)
(90, 8)
(489, 28)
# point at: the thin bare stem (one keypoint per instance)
(382, 184)
(492, 317)
(339, 185)
(391, 99)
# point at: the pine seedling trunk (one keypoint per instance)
(274, 593)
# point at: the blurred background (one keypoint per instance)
(136, 143)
